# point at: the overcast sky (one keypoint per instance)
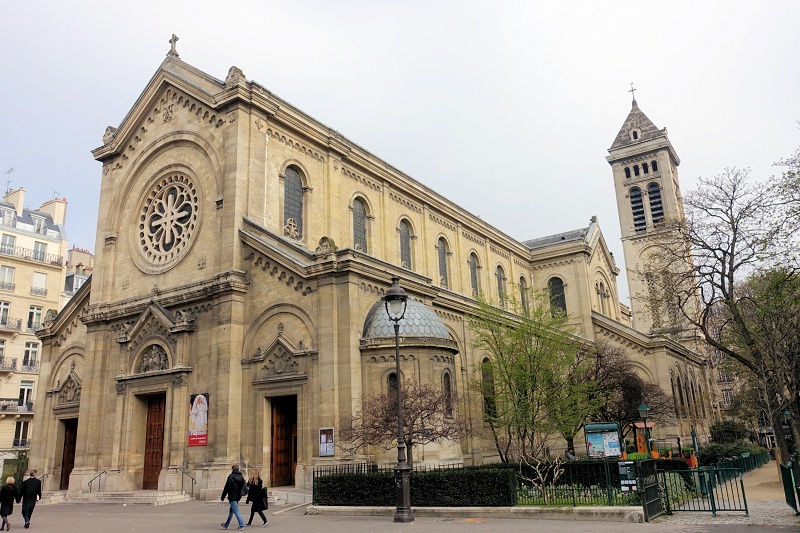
(506, 108)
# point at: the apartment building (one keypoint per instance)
(33, 245)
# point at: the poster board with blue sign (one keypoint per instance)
(602, 440)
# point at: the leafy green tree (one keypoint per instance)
(727, 431)
(534, 380)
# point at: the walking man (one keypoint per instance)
(31, 493)
(233, 489)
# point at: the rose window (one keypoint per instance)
(168, 219)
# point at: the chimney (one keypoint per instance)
(57, 209)
(17, 198)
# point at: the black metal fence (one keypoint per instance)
(708, 488)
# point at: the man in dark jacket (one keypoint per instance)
(233, 489)
(31, 493)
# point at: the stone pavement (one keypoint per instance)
(765, 501)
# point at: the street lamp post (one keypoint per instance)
(395, 300)
(643, 411)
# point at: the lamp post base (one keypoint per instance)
(402, 479)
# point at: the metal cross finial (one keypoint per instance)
(173, 42)
(632, 91)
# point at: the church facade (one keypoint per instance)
(241, 249)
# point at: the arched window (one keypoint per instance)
(558, 300)
(635, 170)
(523, 294)
(442, 251)
(359, 225)
(501, 286)
(487, 385)
(656, 206)
(637, 209)
(674, 396)
(680, 393)
(293, 204)
(473, 273)
(654, 166)
(646, 168)
(391, 382)
(627, 172)
(405, 244)
(635, 135)
(447, 393)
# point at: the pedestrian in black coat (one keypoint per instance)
(30, 494)
(7, 496)
(257, 494)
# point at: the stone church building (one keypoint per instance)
(242, 247)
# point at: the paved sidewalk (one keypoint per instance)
(765, 500)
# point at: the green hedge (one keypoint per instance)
(714, 452)
(458, 487)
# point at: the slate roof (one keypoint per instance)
(636, 120)
(418, 321)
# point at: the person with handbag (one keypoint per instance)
(258, 496)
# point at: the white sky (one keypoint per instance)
(506, 108)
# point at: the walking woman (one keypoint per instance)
(258, 495)
(7, 496)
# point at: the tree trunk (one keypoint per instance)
(780, 437)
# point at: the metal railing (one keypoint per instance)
(708, 488)
(8, 364)
(7, 286)
(185, 474)
(98, 481)
(13, 324)
(38, 291)
(21, 443)
(12, 404)
(31, 255)
(33, 326)
(29, 366)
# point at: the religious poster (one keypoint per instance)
(326, 442)
(198, 420)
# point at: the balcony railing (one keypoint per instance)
(30, 366)
(32, 255)
(12, 404)
(33, 326)
(8, 364)
(6, 286)
(21, 443)
(13, 324)
(38, 291)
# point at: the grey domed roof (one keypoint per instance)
(418, 321)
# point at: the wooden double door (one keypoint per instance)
(284, 441)
(68, 455)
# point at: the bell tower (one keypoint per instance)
(645, 169)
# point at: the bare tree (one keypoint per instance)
(730, 234)
(429, 415)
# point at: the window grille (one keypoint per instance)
(637, 209)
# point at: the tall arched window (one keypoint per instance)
(646, 168)
(602, 295)
(523, 294)
(501, 286)
(405, 244)
(654, 166)
(293, 204)
(635, 170)
(391, 382)
(656, 207)
(487, 385)
(473, 274)
(447, 393)
(627, 172)
(442, 253)
(558, 300)
(359, 225)
(637, 209)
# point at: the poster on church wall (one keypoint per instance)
(198, 419)
(326, 442)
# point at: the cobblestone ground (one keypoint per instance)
(762, 513)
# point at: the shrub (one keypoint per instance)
(727, 431)
(713, 452)
(458, 487)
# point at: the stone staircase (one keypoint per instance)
(135, 497)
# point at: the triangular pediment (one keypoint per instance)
(68, 392)
(68, 320)
(155, 320)
(173, 78)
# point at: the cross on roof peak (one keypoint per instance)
(633, 94)
(172, 42)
